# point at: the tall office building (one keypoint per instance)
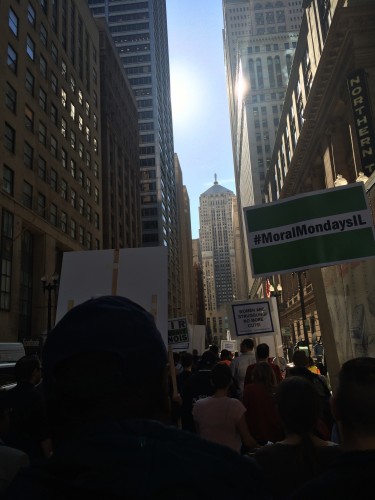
(139, 30)
(259, 42)
(50, 156)
(218, 223)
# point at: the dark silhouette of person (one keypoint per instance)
(105, 380)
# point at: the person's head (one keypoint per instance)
(247, 345)
(104, 359)
(214, 349)
(28, 369)
(300, 358)
(221, 376)
(264, 374)
(225, 355)
(263, 351)
(207, 361)
(186, 360)
(298, 404)
(353, 403)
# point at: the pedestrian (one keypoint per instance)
(353, 406)
(220, 418)
(226, 357)
(105, 378)
(262, 416)
(263, 356)
(240, 364)
(301, 452)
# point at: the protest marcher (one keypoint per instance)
(240, 364)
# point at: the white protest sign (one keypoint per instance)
(255, 318)
(178, 334)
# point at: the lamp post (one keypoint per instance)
(49, 286)
(302, 302)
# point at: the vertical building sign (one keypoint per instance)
(362, 120)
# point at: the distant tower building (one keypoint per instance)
(139, 31)
(259, 42)
(198, 282)
(217, 221)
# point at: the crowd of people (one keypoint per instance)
(105, 414)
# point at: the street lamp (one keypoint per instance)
(302, 302)
(49, 286)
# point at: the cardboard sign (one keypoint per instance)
(178, 334)
(139, 274)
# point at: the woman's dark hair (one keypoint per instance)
(299, 406)
(221, 376)
(264, 374)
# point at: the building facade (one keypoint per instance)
(139, 31)
(50, 163)
(121, 224)
(326, 138)
(259, 42)
(218, 220)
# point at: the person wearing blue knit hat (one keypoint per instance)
(105, 382)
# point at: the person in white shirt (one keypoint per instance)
(239, 365)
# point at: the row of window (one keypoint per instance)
(50, 211)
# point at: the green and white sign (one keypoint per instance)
(314, 229)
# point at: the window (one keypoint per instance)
(87, 109)
(12, 59)
(95, 121)
(13, 22)
(87, 134)
(43, 66)
(63, 98)
(73, 198)
(6, 244)
(96, 195)
(88, 185)
(96, 170)
(81, 235)
(43, 35)
(54, 53)
(64, 73)
(80, 177)
(80, 123)
(73, 168)
(53, 179)
(88, 212)
(54, 114)
(29, 118)
(72, 84)
(64, 158)
(64, 189)
(42, 168)
(10, 97)
(80, 149)
(72, 111)
(64, 126)
(54, 83)
(81, 205)
(30, 47)
(30, 82)
(28, 155)
(96, 220)
(9, 138)
(42, 133)
(95, 145)
(95, 98)
(41, 207)
(31, 16)
(73, 139)
(88, 240)
(63, 222)
(8, 180)
(80, 96)
(73, 228)
(43, 4)
(27, 195)
(53, 148)
(42, 99)
(88, 160)
(53, 214)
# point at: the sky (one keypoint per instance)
(201, 126)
